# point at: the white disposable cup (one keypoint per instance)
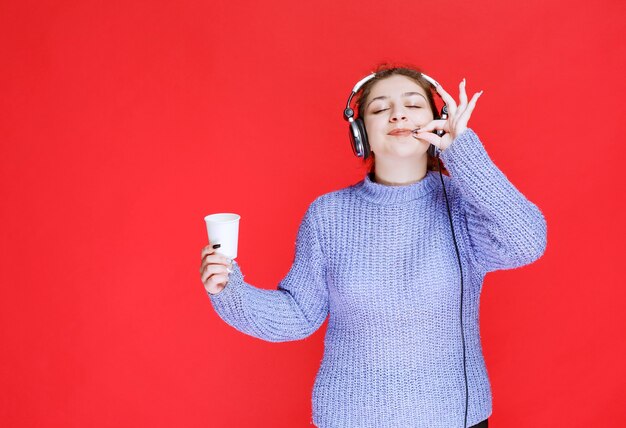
(223, 229)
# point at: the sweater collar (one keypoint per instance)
(386, 195)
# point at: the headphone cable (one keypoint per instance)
(461, 269)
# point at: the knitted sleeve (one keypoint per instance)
(505, 229)
(293, 311)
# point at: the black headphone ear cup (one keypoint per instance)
(358, 139)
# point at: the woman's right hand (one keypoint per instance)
(214, 269)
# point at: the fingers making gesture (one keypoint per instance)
(454, 124)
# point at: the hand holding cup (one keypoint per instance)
(214, 269)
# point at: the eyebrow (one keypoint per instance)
(406, 94)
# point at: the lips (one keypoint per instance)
(400, 132)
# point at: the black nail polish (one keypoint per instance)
(216, 246)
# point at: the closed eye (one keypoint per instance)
(385, 109)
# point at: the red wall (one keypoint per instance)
(123, 123)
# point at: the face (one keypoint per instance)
(395, 106)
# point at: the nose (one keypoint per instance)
(397, 113)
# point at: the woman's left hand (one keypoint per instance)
(455, 124)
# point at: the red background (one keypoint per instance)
(123, 123)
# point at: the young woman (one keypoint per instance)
(397, 260)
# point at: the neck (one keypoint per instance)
(401, 173)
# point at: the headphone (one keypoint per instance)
(361, 148)
(358, 134)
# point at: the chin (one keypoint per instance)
(404, 154)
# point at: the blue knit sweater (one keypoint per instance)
(381, 261)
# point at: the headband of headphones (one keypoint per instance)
(348, 113)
